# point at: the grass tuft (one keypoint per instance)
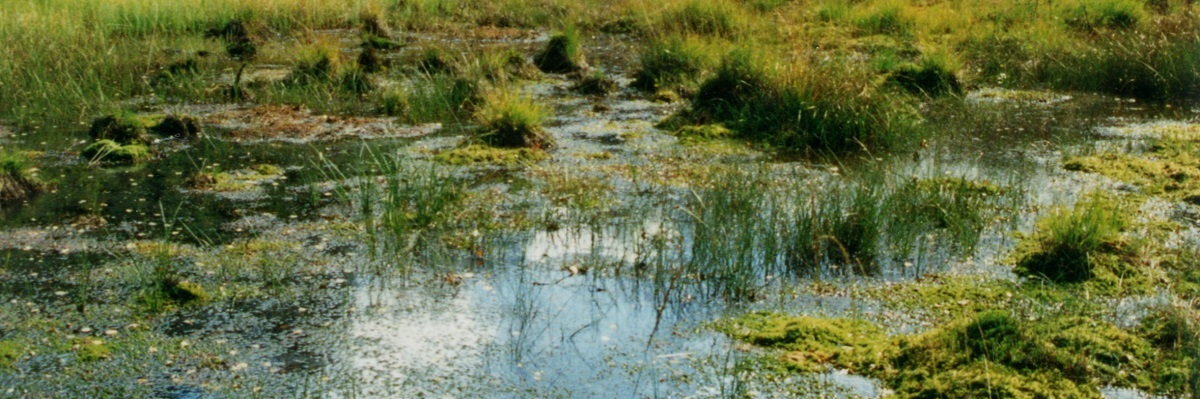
(562, 54)
(1071, 243)
(510, 120)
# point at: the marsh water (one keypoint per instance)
(546, 310)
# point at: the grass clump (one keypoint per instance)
(959, 207)
(562, 54)
(844, 227)
(1097, 14)
(476, 154)
(670, 65)
(432, 99)
(933, 76)
(112, 152)
(800, 109)
(508, 120)
(317, 64)
(1077, 245)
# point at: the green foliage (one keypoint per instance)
(1072, 244)
(844, 226)
(354, 79)
(435, 61)
(957, 206)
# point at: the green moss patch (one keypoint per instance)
(811, 342)
(110, 151)
(1171, 168)
(89, 349)
(985, 355)
(477, 154)
(10, 352)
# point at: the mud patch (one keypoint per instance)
(297, 124)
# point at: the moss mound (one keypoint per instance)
(562, 54)
(813, 342)
(183, 127)
(1170, 168)
(123, 128)
(113, 152)
(184, 291)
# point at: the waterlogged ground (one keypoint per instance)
(545, 286)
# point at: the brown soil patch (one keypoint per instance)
(290, 123)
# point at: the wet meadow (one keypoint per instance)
(600, 198)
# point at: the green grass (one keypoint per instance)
(437, 98)
(708, 18)
(1097, 14)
